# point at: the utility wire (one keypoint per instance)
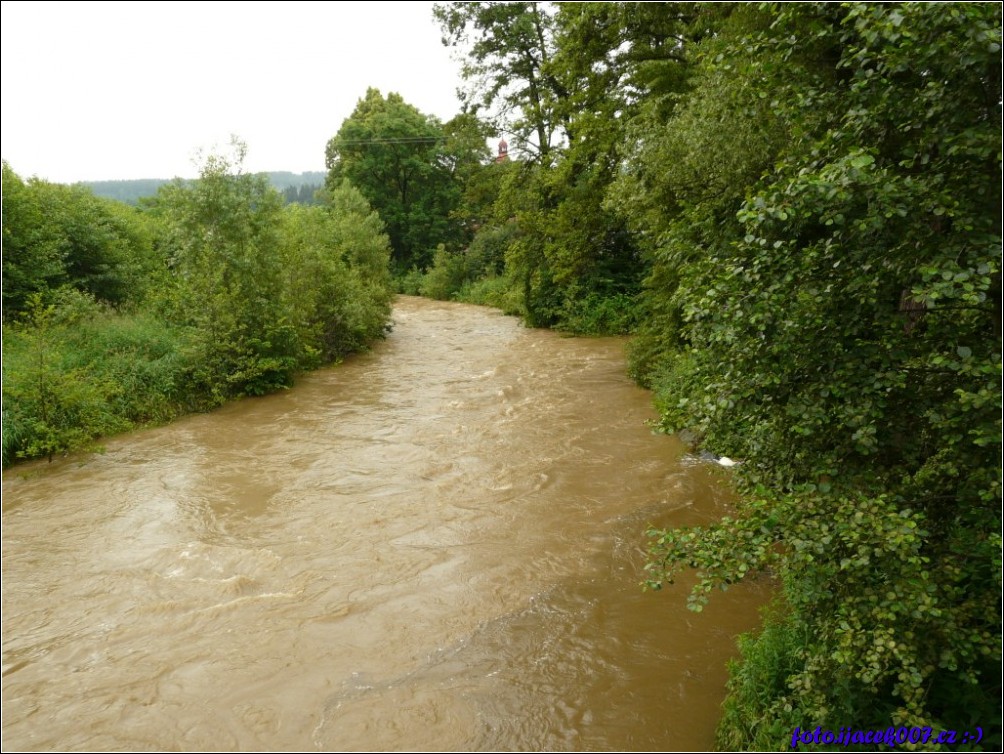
(394, 140)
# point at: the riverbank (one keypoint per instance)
(437, 544)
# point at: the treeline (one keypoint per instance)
(797, 209)
(115, 316)
(295, 187)
(306, 193)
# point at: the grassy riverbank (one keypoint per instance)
(235, 294)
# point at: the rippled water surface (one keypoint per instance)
(436, 545)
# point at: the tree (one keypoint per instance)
(689, 160)
(567, 79)
(832, 264)
(32, 255)
(336, 282)
(222, 235)
(395, 156)
(471, 164)
(509, 49)
(56, 235)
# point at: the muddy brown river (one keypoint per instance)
(436, 545)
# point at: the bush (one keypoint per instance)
(447, 275)
(410, 283)
(486, 254)
(750, 720)
(596, 314)
(52, 405)
(495, 290)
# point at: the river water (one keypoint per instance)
(436, 545)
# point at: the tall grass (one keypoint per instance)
(68, 380)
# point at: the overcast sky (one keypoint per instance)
(95, 91)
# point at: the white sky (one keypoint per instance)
(95, 91)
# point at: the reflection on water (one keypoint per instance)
(436, 545)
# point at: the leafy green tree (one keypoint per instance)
(307, 193)
(509, 46)
(567, 79)
(57, 235)
(685, 176)
(222, 236)
(109, 249)
(32, 255)
(832, 272)
(474, 170)
(395, 156)
(337, 280)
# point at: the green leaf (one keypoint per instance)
(862, 161)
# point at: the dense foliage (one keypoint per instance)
(401, 162)
(562, 83)
(115, 316)
(812, 194)
(55, 235)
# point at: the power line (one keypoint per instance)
(394, 140)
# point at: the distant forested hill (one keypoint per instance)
(283, 180)
(299, 185)
(129, 192)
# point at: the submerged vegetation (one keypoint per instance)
(795, 210)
